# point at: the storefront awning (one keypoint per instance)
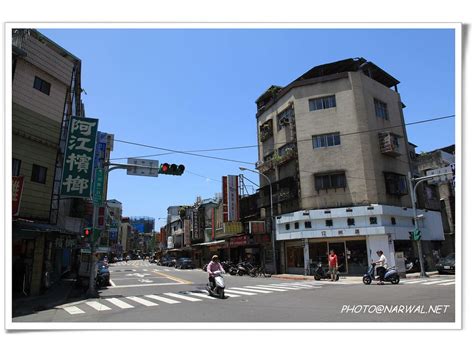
(211, 243)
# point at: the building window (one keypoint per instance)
(287, 226)
(328, 222)
(307, 224)
(39, 174)
(285, 117)
(42, 85)
(16, 167)
(393, 220)
(322, 103)
(381, 109)
(395, 184)
(326, 140)
(297, 225)
(373, 220)
(330, 181)
(350, 222)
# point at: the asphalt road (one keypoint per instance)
(144, 292)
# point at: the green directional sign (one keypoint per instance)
(79, 157)
(416, 234)
(99, 186)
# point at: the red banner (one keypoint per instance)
(17, 190)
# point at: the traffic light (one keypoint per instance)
(411, 235)
(87, 233)
(416, 234)
(171, 169)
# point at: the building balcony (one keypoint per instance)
(285, 154)
(264, 166)
(389, 144)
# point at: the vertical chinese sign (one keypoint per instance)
(79, 158)
(17, 189)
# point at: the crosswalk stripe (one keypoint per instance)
(433, 282)
(98, 306)
(449, 283)
(245, 288)
(73, 310)
(240, 292)
(162, 299)
(142, 301)
(269, 288)
(119, 303)
(199, 294)
(285, 288)
(412, 282)
(186, 298)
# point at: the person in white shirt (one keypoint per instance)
(382, 268)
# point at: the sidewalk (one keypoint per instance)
(342, 277)
(56, 295)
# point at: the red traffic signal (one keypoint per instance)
(87, 232)
(172, 169)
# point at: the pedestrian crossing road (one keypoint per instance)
(108, 304)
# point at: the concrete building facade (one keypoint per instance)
(333, 138)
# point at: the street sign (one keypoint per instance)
(144, 167)
(79, 157)
(439, 179)
(99, 187)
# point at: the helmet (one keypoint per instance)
(215, 257)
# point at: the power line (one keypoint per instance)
(193, 152)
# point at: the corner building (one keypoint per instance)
(334, 145)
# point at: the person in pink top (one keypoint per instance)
(333, 265)
(212, 267)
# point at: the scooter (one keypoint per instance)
(244, 268)
(391, 275)
(323, 273)
(218, 289)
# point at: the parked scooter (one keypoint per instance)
(229, 267)
(244, 268)
(391, 275)
(216, 290)
(323, 273)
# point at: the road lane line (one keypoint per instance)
(98, 306)
(174, 278)
(240, 292)
(118, 303)
(449, 283)
(225, 292)
(162, 299)
(73, 310)
(186, 298)
(142, 301)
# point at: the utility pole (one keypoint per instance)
(417, 181)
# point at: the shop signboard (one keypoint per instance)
(233, 198)
(79, 158)
(17, 190)
(187, 232)
(238, 241)
(225, 210)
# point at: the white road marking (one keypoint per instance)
(412, 282)
(119, 303)
(434, 282)
(186, 298)
(245, 288)
(98, 306)
(73, 310)
(449, 283)
(142, 301)
(199, 294)
(268, 288)
(162, 299)
(240, 292)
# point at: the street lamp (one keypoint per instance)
(271, 214)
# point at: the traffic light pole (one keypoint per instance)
(417, 181)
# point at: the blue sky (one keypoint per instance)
(194, 89)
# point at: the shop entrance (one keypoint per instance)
(356, 251)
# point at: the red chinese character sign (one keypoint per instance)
(79, 157)
(17, 189)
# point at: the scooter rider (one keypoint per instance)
(382, 269)
(212, 267)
